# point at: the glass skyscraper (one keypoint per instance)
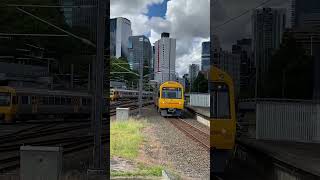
(120, 31)
(140, 50)
(205, 56)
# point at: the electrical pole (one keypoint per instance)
(99, 82)
(71, 76)
(141, 79)
(89, 77)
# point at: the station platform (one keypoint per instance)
(302, 156)
(202, 114)
(204, 111)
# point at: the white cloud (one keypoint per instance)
(183, 62)
(187, 21)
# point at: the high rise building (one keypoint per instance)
(165, 58)
(185, 78)
(120, 31)
(305, 13)
(67, 12)
(268, 26)
(215, 44)
(152, 62)
(85, 18)
(243, 49)
(205, 56)
(193, 73)
(230, 63)
(139, 49)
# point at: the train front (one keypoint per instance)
(223, 119)
(171, 100)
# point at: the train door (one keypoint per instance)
(34, 103)
(76, 103)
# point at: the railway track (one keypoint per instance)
(51, 133)
(193, 132)
(12, 162)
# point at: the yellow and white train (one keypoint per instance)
(170, 99)
(222, 119)
(21, 103)
(117, 94)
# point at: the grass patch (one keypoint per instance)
(125, 138)
(142, 171)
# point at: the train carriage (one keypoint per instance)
(19, 103)
(117, 94)
(223, 119)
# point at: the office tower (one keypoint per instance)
(205, 56)
(305, 13)
(120, 31)
(230, 63)
(193, 73)
(243, 48)
(165, 57)
(139, 49)
(268, 25)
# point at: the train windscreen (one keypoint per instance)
(4, 99)
(220, 99)
(171, 93)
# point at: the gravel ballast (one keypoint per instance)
(178, 152)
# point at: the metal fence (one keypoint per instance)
(289, 121)
(199, 100)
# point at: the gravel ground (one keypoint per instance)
(175, 149)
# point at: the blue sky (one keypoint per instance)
(157, 10)
(187, 21)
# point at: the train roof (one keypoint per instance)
(218, 75)
(171, 84)
(126, 90)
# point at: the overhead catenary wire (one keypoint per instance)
(240, 15)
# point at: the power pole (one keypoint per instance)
(99, 76)
(71, 76)
(141, 79)
(89, 77)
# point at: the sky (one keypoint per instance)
(223, 10)
(187, 21)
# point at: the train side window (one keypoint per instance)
(68, 100)
(84, 101)
(45, 100)
(220, 107)
(51, 100)
(63, 100)
(57, 100)
(14, 100)
(24, 99)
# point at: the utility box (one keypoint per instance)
(122, 114)
(39, 162)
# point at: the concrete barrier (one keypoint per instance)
(122, 114)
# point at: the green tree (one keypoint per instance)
(200, 84)
(122, 67)
(290, 73)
